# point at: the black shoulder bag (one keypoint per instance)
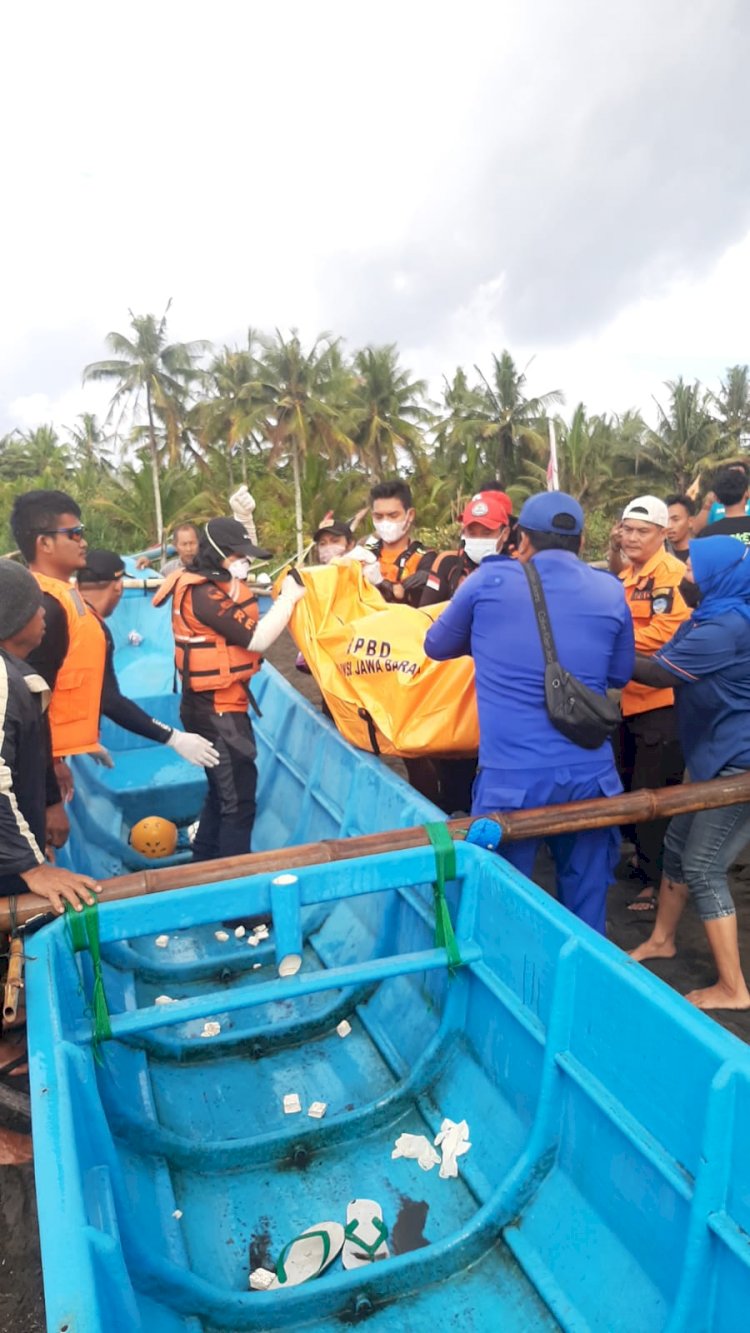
(585, 717)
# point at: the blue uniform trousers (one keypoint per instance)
(584, 862)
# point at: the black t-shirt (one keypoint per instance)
(738, 527)
(684, 556)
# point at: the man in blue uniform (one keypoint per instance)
(523, 760)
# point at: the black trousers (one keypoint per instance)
(228, 814)
(649, 754)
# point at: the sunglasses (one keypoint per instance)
(75, 534)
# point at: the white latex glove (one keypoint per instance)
(453, 1139)
(102, 756)
(196, 749)
(292, 590)
(361, 554)
(373, 574)
(242, 505)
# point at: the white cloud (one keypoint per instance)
(454, 178)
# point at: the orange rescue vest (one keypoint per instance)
(396, 568)
(203, 658)
(76, 699)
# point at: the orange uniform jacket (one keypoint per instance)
(397, 568)
(76, 699)
(204, 659)
(658, 609)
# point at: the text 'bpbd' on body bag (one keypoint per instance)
(368, 659)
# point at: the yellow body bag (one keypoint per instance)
(368, 659)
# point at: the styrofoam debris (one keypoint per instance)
(253, 940)
(261, 1279)
(260, 932)
(211, 1029)
(256, 966)
(221, 935)
(290, 965)
(316, 1110)
(343, 1028)
(164, 999)
(416, 1147)
(453, 1140)
(292, 1103)
(285, 879)
(177, 1213)
(161, 941)
(239, 932)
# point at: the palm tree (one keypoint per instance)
(129, 502)
(387, 408)
(304, 407)
(686, 440)
(733, 403)
(88, 442)
(234, 409)
(510, 425)
(33, 453)
(147, 366)
(459, 435)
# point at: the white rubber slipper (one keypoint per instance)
(365, 1234)
(309, 1254)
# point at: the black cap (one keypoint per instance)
(101, 567)
(336, 528)
(228, 537)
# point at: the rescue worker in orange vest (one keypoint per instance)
(101, 586)
(218, 645)
(649, 753)
(485, 529)
(402, 563)
(70, 658)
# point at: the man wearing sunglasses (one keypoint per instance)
(50, 536)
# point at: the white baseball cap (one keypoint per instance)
(649, 509)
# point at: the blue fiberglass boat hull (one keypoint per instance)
(606, 1185)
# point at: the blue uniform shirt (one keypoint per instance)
(710, 660)
(491, 618)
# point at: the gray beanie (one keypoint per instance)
(20, 598)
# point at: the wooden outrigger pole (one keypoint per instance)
(541, 822)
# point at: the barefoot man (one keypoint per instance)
(708, 663)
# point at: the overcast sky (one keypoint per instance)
(566, 178)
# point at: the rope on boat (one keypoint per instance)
(83, 931)
(445, 869)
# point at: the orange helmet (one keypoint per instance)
(154, 836)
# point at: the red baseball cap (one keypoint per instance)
(490, 508)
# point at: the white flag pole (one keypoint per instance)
(553, 476)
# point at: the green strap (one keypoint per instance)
(326, 1239)
(83, 929)
(368, 1248)
(445, 869)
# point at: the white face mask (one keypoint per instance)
(327, 553)
(390, 529)
(240, 568)
(478, 547)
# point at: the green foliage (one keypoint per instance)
(310, 429)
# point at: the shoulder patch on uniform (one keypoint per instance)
(662, 600)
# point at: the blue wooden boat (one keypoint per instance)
(607, 1186)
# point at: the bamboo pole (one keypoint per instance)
(542, 822)
(13, 980)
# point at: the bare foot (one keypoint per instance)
(653, 948)
(15, 1149)
(720, 997)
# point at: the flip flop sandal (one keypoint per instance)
(643, 904)
(309, 1254)
(366, 1234)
